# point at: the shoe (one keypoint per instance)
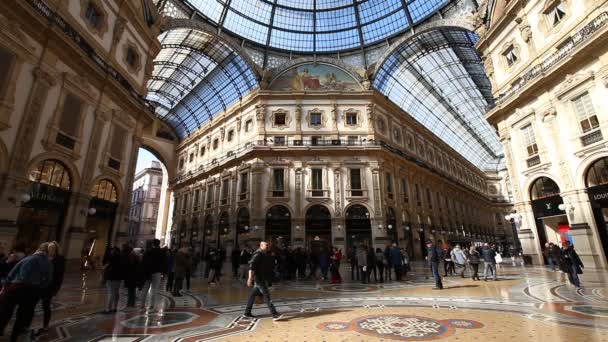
(277, 317)
(249, 315)
(39, 332)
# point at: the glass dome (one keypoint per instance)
(316, 25)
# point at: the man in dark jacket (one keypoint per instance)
(572, 264)
(154, 264)
(261, 268)
(23, 288)
(396, 261)
(434, 255)
(489, 259)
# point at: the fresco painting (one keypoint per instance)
(315, 77)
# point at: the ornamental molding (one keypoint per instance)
(287, 119)
(323, 119)
(355, 112)
(573, 81)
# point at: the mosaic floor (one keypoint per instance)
(526, 304)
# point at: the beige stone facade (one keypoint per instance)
(340, 167)
(548, 62)
(72, 119)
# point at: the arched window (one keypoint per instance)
(51, 172)
(543, 187)
(598, 173)
(105, 190)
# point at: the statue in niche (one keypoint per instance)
(524, 29)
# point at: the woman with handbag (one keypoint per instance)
(474, 262)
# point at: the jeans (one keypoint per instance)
(170, 280)
(464, 268)
(152, 285)
(489, 266)
(131, 294)
(435, 271)
(354, 271)
(177, 285)
(573, 275)
(551, 263)
(475, 268)
(46, 307)
(112, 294)
(24, 298)
(388, 271)
(260, 288)
(381, 271)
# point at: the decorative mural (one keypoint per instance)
(315, 77)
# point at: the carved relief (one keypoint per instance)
(119, 29)
(524, 29)
(273, 120)
(260, 112)
(337, 192)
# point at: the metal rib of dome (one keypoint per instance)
(196, 76)
(316, 25)
(438, 78)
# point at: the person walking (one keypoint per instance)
(261, 268)
(459, 259)
(572, 264)
(433, 256)
(380, 263)
(474, 262)
(556, 256)
(58, 266)
(489, 261)
(215, 266)
(372, 264)
(396, 261)
(448, 264)
(336, 256)
(362, 262)
(155, 267)
(389, 266)
(24, 285)
(133, 275)
(354, 266)
(170, 257)
(181, 268)
(113, 276)
(235, 260)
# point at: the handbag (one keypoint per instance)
(498, 258)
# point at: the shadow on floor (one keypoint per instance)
(293, 316)
(460, 287)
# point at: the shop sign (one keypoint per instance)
(548, 206)
(598, 195)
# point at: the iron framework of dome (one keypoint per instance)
(198, 74)
(319, 26)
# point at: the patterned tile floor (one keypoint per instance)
(526, 304)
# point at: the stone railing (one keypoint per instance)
(566, 50)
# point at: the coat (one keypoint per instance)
(458, 256)
(489, 255)
(361, 257)
(395, 256)
(570, 258)
(182, 264)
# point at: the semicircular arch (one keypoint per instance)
(67, 163)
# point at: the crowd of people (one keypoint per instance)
(28, 280)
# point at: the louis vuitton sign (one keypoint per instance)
(548, 206)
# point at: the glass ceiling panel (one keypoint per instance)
(437, 77)
(196, 76)
(316, 25)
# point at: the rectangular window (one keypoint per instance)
(202, 151)
(585, 112)
(119, 136)
(93, 15)
(315, 140)
(389, 185)
(405, 190)
(280, 119)
(225, 190)
(351, 119)
(438, 198)
(355, 182)
(243, 186)
(6, 64)
(196, 199)
(429, 198)
(511, 56)
(279, 140)
(317, 182)
(557, 13)
(216, 143)
(185, 204)
(181, 163)
(191, 157)
(131, 57)
(209, 201)
(315, 119)
(353, 139)
(230, 135)
(69, 121)
(417, 194)
(248, 125)
(278, 183)
(529, 140)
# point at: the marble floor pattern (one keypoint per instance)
(526, 304)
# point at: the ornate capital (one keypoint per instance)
(549, 114)
(45, 77)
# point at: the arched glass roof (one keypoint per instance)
(439, 79)
(196, 76)
(316, 25)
